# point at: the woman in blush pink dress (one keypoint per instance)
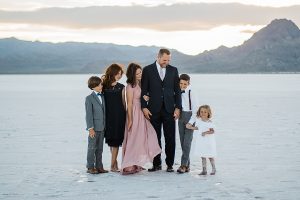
(140, 143)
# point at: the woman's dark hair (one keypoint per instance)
(131, 73)
(93, 82)
(110, 73)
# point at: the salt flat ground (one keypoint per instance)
(43, 142)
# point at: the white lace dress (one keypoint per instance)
(204, 146)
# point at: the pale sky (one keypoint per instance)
(188, 26)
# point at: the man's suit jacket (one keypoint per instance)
(167, 91)
(95, 112)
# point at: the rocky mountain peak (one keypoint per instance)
(277, 31)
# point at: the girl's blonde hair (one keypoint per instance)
(207, 107)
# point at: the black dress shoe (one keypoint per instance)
(170, 169)
(154, 168)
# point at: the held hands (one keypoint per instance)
(190, 126)
(146, 98)
(92, 133)
(176, 114)
(147, 113)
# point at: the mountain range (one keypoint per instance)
(273, 49)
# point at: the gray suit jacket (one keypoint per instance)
(95, 112)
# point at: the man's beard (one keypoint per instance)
(163, 65)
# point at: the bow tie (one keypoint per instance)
(182, 91)
(99, 94)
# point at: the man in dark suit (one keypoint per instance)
(160, 81)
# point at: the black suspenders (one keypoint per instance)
(190, 103)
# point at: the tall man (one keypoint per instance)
(160, 81)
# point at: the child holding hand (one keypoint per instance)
(205, 144)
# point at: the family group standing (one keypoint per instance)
(134, 116)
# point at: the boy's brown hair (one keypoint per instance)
(185, 77)
(94, 81)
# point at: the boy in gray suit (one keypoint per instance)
(95, 121)
(189, 109)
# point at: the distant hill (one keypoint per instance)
(275, 48)
(71, 57)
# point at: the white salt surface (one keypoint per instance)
(43, 142)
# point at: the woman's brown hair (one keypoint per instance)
(110, 73)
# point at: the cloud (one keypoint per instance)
(177, 17)
(248, 31)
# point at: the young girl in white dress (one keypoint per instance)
(205, 143)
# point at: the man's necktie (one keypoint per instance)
(161, 74)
